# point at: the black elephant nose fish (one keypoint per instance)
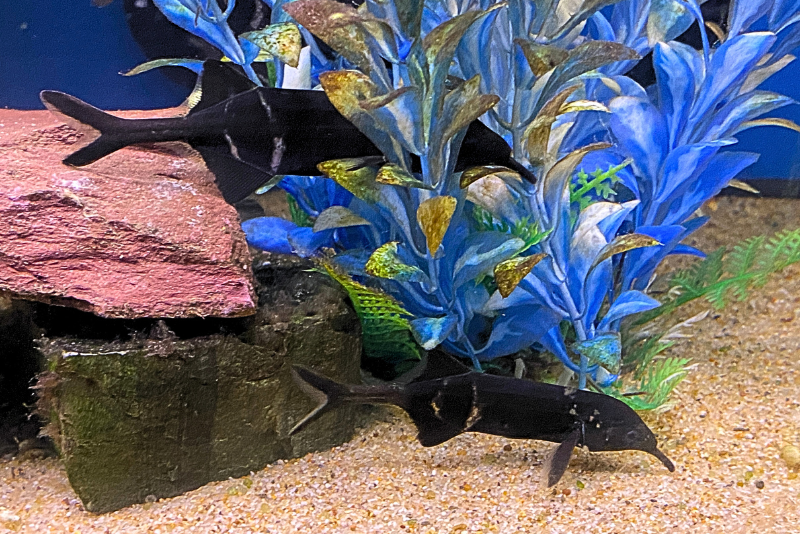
(445, 407)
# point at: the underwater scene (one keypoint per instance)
(382, 266)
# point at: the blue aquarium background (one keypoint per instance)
(75, 47)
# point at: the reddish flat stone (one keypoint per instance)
(143, 232)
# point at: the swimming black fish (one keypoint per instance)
(443, 408)
(248, 134)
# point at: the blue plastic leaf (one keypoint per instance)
(694, 59)
(640, 263)
(694, 8)
(184, 13)
(682, 167)
(788, 40)
(554, 201)
(306, 242)
(744, 13)
(431, 331)
(604, 349)
(269, 233)
(722, 168)
(481, 252)
(603, 30)
(553, 342)
(783, 11)
(400, 114)
(628, 303)
(517, 329)
(743, 108)
(675, 88)
(729, 67)
(588, 240)
(680, 248)
(641, 132)
(668, 19)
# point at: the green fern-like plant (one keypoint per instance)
(296, 213)
(599, 182)
(389, 347)
(720, 276)
(656, 382)
(524, 229)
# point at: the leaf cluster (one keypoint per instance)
(388, 345)
(528, 231)
(720, 276)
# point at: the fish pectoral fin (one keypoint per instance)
(437, 433)
(431, 430)
(556, 464)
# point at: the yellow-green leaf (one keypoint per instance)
(353, 175)
(433, 216)
(337, 217)
(582, 105)
(492, 193)
(385, 263)
(463, 105)
(346, 89)
(541, 57)
(744, 186)
(473, 174)
(771, 121)
(508, 274)
(334, 23)
(192, 64)
(624, 243)
(282, 41)
(392, 174)
(538, 131)
(441, 42)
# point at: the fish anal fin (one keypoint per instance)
(234, 178)
(556, 464)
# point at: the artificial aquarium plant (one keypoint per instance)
(486, 262)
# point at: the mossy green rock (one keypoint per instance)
(154, 418)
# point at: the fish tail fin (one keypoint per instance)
(102, 132)
(328, 393)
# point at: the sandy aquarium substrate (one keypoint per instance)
(727, 434)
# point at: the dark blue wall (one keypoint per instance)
(74, 47)
(779, 147)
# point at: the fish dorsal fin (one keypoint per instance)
(438, 364)
(556, 464)
(218, 82)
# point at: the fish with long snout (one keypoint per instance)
(443, 408)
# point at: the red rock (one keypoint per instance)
(143, 232)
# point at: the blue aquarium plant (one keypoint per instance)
(484, 262)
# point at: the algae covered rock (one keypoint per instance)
(160, 414)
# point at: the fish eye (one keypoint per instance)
(632, 435)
